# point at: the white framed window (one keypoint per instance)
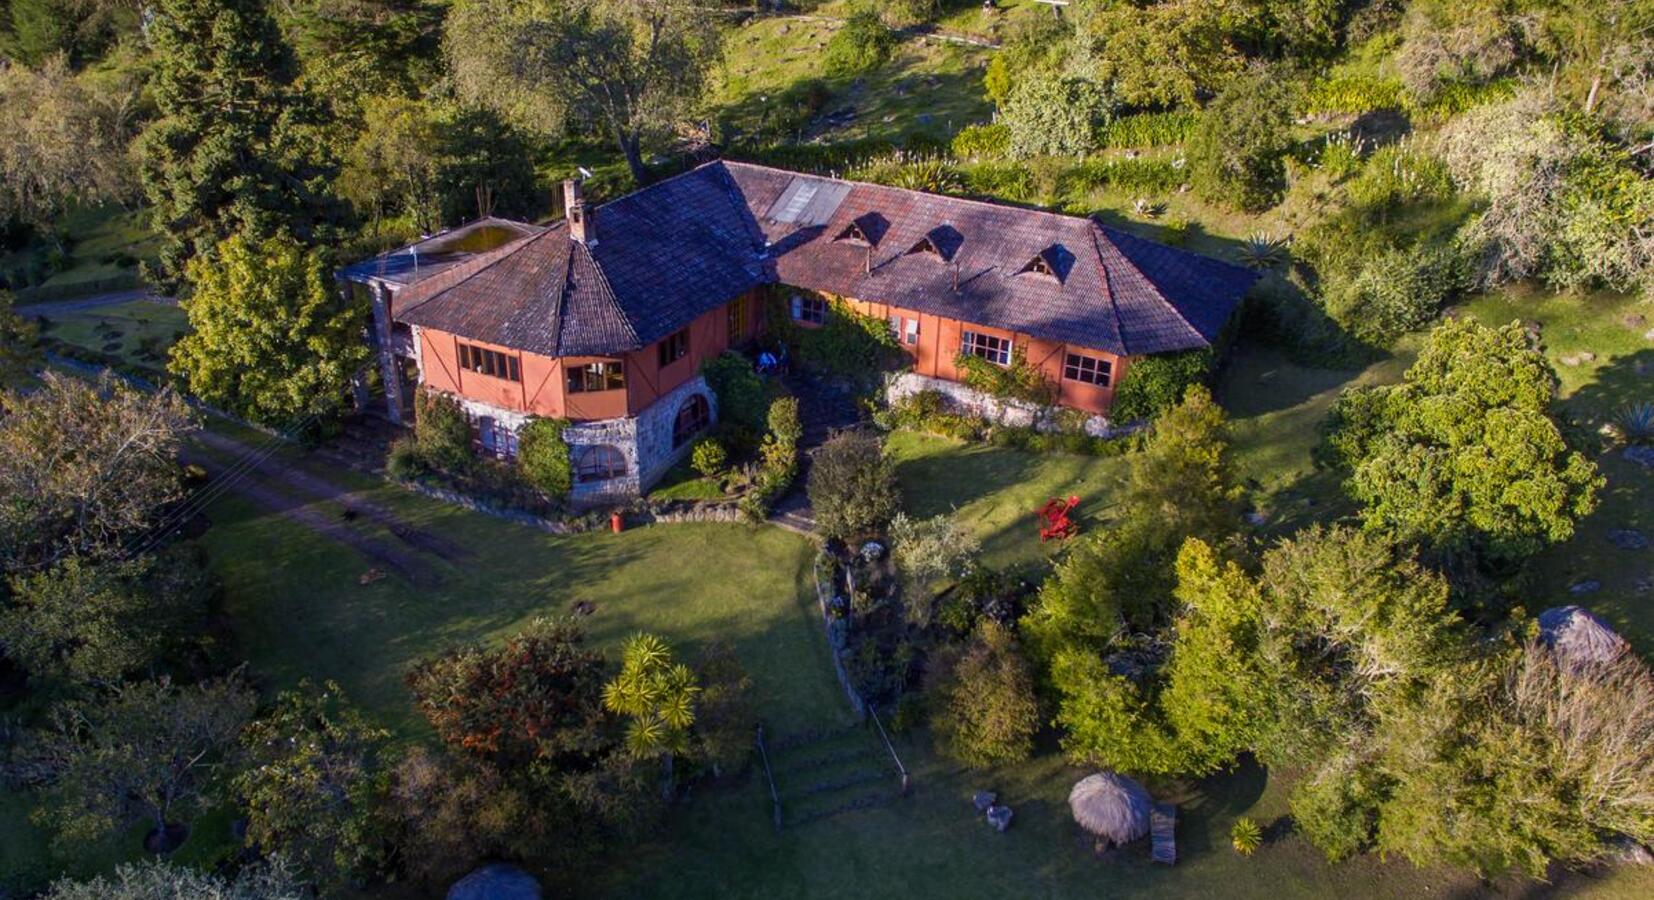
(996, 350)
(904, 330)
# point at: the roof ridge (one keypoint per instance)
(1108, 292)
(1159, 292)
(608, 294)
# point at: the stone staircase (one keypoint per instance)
(819, 775)
(824, 406)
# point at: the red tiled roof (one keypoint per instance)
(679, 248)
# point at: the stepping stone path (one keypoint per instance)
(1628, 539)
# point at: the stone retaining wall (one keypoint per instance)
(998, 410)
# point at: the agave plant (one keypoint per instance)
(933, 176)
(1147, 208)
(1636, 421)
(1262, 252)
(1246, 837)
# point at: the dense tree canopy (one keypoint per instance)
(65, 142)
(629, 69)
(1463, 456)
(237, 146)
(85, 467)
(271, 338)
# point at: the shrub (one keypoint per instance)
(927, 552)
(985, 709)
(902, 13)
(1246, 836)
(543, 456)
(742, 396)
(1149, 175)
(1017, 381)
(1340, 156)
(848, 343)
(1397, 174)
(708, 457)
(1393, 293)
(863, 44)
(1154, 384)
(1158, 129)
(1236, 152)
(852, 485)
(992, 141)
(1353, 95)
(442, 432)
(1636, 422)
(1050, 114)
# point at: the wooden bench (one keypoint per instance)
(1163, 833)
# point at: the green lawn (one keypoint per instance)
(138, 332)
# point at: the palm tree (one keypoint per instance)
(658, 696)
(1246, 836)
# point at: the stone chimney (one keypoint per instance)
(579, 215)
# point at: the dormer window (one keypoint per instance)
(925, 245)
(1044, 265)
(853, 234)
(1039, 265)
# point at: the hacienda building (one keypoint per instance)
(605, 317)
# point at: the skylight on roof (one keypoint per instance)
(807, 201)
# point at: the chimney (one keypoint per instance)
(578, 214)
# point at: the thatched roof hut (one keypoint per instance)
(1112, 807)
(1579, 638)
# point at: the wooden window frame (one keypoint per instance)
(702, 420)
(673, 347)
(596, 377)
(1086, 369)
(493, 363)
(991, 347)
(809, 310)
(599, 462)
(739, 314)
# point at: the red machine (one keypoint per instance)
(1054, 521)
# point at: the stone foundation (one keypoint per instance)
(998, 410)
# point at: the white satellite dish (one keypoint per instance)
(584, 172)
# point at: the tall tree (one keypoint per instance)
(270, 337)
(632, 69)
(141, 752)
(657, 696)
(984, 711)
(311, 782)
(91, 621)
(65, 142)
(1463, 456)
(84, 466)
(237, 148)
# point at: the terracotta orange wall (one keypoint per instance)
(544, 388)
(939, 342)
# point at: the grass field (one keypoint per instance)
(104, 246)
(928, 87)
(138, 332)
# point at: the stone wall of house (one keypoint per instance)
(655, 453)
(645, 440)
(970, 401)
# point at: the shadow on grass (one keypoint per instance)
(1626, 380)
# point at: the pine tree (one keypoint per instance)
(236, 148)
